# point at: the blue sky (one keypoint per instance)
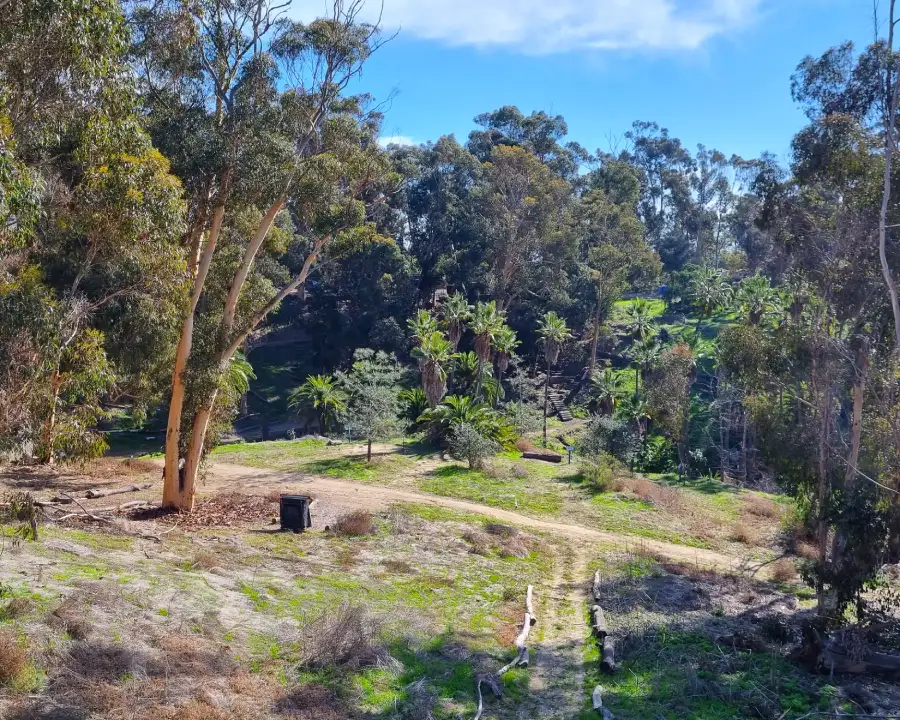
(715, 72)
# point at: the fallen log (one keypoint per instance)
(834, 657)
(545, 456)
(608, 663)
(598, 622)
(597, 702)
(521, 659)
(595, 587)
(94, 494)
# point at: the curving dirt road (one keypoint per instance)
(354, 495)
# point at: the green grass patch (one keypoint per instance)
(509, 493)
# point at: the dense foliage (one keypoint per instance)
(183, 183)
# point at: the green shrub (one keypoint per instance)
(606, 435)
(658, 455)
(467, 443)
(597, 470)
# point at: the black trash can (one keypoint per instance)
(295, 513)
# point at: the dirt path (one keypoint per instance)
(238, 478)
(556, 683)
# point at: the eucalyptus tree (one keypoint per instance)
(521, 200)
(554, 332)
(90, 268)
(277, 157)
(612, 249)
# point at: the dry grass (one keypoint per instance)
(501, 530)
(479, 541)
(15, 608)
(519, 471)
(354, 524)
(348, 557)
(651, 492)
(514, 547)
(113, 468)
(71, 618)
(784, 570)
(310, 702)
(525, 445)
(346, 637)
(205, 560)
(743, 533)
(761, 507)
(398, 567)
(273, 496)
(400, 520)
(12, 658)
(806, 550)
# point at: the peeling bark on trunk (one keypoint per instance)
(174, 484)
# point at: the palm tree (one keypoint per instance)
(320, 393)
(606, 390)
(414, 403)
(486, 322)
(422, 324)
(554, 332)
(456, 409)
(505, 343)
(455, 313)
(757, 298)
(709, 291)
(435, 355)
(239, 374)
(640, 319)
(644, 353)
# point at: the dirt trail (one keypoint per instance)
(556, 682)
(238, 478)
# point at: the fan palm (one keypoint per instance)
(320, 393)
(422, 324)
(554, 332)
(606, 390)
(640, 319)
(757, 298)
(486, 322)
(644, 354)
(455, 313)
(505, 343)
(435, 355)
(239, 374)
(709, 291)
(414, 403)
(457, 409)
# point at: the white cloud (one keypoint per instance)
(396, 140)
(551, 26)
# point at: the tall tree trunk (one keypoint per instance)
(893, 86)
(175, 492)
(47, 454)
(595, 337)
(546, 396)
(479, 374)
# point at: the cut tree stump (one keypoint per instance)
(608, 663)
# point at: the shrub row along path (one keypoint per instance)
(224, 477)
